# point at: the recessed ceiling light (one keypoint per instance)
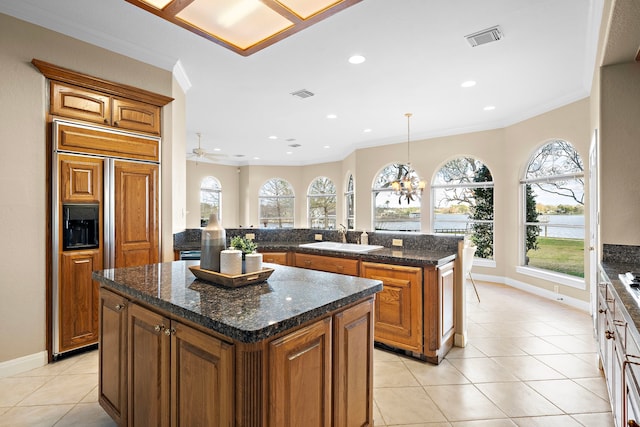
(273, 137)
(327, 146)
(256, 158)
(217, 149)
(468, 83)
(332, 116)
(366, 130)
(357, 59)
(489, 108)
(289, 152)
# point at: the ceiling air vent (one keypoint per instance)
(489, 35)
(295, 145)
(302, 93)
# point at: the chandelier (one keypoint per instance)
(408, 184)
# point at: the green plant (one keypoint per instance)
(243, 244)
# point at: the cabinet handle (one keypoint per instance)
(609, 335)
(158, 328)
(106, 121)
(307, 262)
(602, 310)
(170, 331)
(119, 307)
(115, 124)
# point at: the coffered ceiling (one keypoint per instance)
(416, 59)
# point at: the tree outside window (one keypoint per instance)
(349, 202)
(210, 199)
(463, 202)
(391, 213)
(554, 190)
(322, 203)
(276, 204)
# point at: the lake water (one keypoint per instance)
(566, 226)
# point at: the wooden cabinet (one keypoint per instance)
(177, 375)
(78, 299)
(80, 179)
(281, 258)
(136, 214)
(300, 365)
(113, 356)
(327, 263)
(398, 309)
(97, 107)
(353, 366)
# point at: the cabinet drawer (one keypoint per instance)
(275, 257)
(327, 263)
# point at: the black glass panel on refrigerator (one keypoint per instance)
(80, 224)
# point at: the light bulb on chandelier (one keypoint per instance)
(408, 185)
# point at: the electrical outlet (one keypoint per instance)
(556, 288)
(396, 242)
(318, 237)
(250, 236)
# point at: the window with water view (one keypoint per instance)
(553, 188)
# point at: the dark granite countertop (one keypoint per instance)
(290, 297)
(418, 249)
(404, 256)
(631, 307)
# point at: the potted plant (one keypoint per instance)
(243, 244)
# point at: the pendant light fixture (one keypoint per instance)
(408, 185)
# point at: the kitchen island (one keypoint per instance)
(295, 350)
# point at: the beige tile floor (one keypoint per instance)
(530, 362)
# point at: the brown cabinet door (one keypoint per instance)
(80, 179)
(113, 356)
(398, 308)
(353, 366)
(78, 299)
(136, 116)
(202, 378)
(78, 103)
(327, 263)
(300, 377)
(149, 368)
(136, 214)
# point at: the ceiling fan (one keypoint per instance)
(201, 153)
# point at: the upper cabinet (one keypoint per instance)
(82, 104)
(90, 99)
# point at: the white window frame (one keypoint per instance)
(312, 196)
(292, 196)
(217, 188)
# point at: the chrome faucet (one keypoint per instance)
(343, 232)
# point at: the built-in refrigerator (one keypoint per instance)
(105, 202)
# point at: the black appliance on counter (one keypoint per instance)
(80, 226)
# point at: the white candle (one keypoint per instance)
(231, 262)
(253, 262)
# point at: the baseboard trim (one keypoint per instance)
(23, 364)
(564, 299)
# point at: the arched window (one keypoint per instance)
(276, 201)
(389, 211)
(210, 199)
(553, 214)
(463, 202)
(321, 199)
(350, 203)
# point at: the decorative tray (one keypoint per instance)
(228, 280)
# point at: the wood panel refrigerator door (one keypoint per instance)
(78, 304)
(136, 214)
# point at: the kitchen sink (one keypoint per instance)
(340, 247)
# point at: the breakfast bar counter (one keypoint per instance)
(294, 350)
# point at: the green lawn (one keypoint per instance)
(560, 255)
